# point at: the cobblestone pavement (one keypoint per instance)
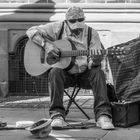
(36, 108)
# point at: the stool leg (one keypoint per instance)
(69, 103)
(72, 99)
(81, 110)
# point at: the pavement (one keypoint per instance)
(36, 108)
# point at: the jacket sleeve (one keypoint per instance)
(95, 40)
(105, 66)
(43, 33)
(95, 44)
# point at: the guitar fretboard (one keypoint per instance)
(79, 53)
(112, 51)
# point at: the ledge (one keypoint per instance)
(65, 6)
(53, 12)
(50, 17)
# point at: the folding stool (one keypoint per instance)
(110, 92)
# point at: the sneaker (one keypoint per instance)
(58, 123)
(105, 123)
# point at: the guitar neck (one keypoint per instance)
(110, 51)
(79, 53)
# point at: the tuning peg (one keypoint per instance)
(124, 52)
(120, 52)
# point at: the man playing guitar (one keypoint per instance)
(86, 70)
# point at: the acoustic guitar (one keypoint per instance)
(35, 57)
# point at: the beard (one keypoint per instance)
(77, 31)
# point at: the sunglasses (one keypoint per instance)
(74, 20)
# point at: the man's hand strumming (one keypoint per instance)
(53, 54)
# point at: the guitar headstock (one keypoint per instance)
(118, 51)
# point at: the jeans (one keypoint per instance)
(59, 79)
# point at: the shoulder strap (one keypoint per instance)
(89, 39)
(89, 36)
(61, 31)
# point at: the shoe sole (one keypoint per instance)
(107, 128)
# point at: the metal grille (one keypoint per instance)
(126, 71)
(20, 82)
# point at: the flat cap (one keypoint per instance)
(74, 12)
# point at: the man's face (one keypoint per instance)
(75, 19)
(78, 23)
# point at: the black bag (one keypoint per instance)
(126, 113)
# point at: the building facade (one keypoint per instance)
(116, 21)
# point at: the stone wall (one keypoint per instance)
(115, 23)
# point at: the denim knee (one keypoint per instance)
(55, 72)
(96, 72)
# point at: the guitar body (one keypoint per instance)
(32, 58)
(34, 54)
(63, 45)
